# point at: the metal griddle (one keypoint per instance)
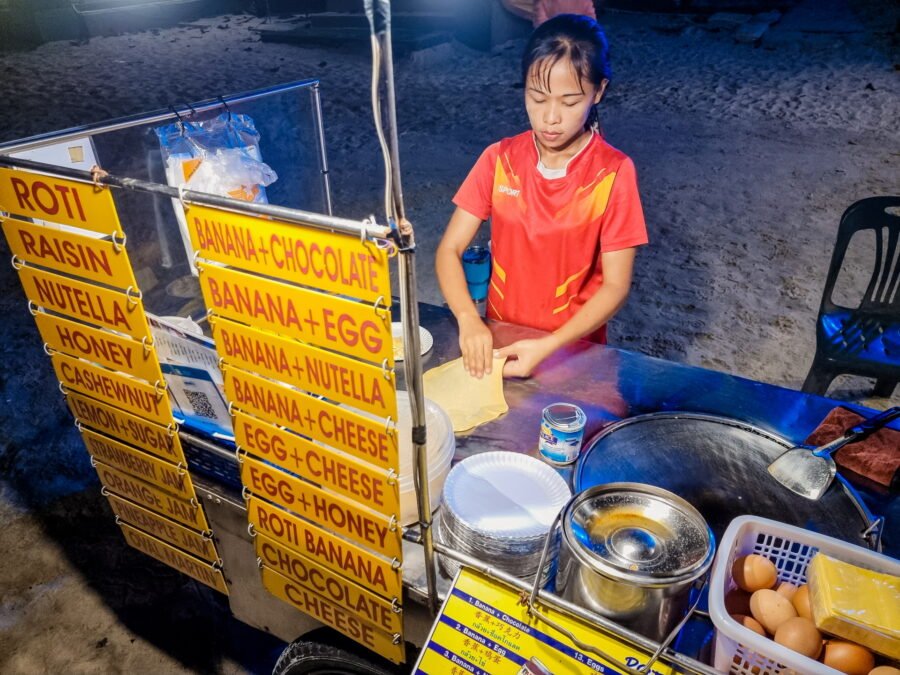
(718, 465)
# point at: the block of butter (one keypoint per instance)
(856, 604)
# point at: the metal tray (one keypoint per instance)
(718, 465)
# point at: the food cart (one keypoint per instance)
(287, 502)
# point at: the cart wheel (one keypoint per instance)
(324, 652)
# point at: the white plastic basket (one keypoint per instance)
(739, 650)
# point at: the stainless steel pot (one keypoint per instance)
(631, 552)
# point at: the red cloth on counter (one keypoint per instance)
(876, 457)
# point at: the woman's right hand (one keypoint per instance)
(477, 345)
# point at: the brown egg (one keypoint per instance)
(771, 609)
(800, 600)
(801, 636)
(786, 589)
(754, 572)
(749, 622)
(737, 601)
(848, 657)
(884, 670)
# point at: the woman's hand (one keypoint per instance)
(525, 355)
(477, 345)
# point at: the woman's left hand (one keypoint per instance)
(525, 355)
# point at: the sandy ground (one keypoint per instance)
(747, 156)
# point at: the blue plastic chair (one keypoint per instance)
(864, 340)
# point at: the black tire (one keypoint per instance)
(323, 652)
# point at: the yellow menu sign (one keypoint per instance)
(387, 645)
(331, 262)
(169, 477)
(178, 535)
(58, 200)
(339, 555)
(96, 305)
(160, 441)
(362, 437)
(185, 512)
(135, 395)
(349, 327)
(100, 346)
(76, 254)
(483, 629)
(173, 557)
(333, 587)
(361, 385)
(339, 515)
(337, 471)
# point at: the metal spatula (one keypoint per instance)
(809, 471)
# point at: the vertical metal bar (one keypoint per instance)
(320, 138)
(393, 141)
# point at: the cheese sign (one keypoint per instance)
(100, 346)
(484, 628)
(173, 557)
(153, 498)
(162, 528)
(348, 327)
(95, 305)
(390, 646)
(135, 395)
(325, 260)
(336, 471)
(58, 200)
(361, 385)
(331, 511)
(338, 555)
(76, 254)
(362, 437)
(139, 464)
(331, 586)
(157, 440)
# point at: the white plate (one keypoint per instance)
(505, 494)
(425, 340)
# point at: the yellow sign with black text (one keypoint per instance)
(139, 464)
(160, 441)
(185, 512)
(339, 472)
(331, 262)
(484, 629)
(362, 437)
(358, 384)
(390, 646)
(81, 300)
(196, 543)
(331, 511)
(200, 570)
(77, 254)
(339, 555)
(117, 389)
(93, 344)
(348, 327)
(333, 587)
(58, 200)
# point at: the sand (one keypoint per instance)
(746, 155)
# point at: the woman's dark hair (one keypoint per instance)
(575, 37)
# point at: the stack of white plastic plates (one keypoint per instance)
(498, 508)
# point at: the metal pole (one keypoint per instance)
(320, 137)
(294, 216)
(166, 115)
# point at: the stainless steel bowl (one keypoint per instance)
(631, 552)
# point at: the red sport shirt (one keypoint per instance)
(547, 234)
